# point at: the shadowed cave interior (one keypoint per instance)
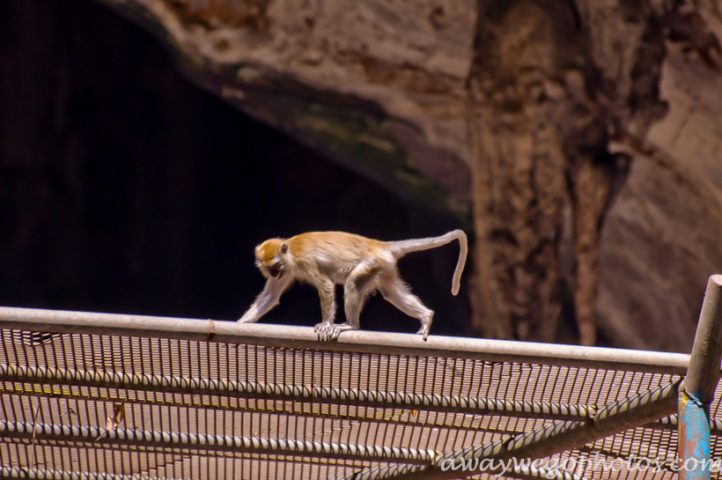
(126, 189)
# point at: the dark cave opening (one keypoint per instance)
(124, 188)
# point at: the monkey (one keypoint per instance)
(362, 265)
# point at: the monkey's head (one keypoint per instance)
(269, 258)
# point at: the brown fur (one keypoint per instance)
(362, 265)
(268, 249)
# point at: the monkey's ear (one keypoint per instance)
(284, 248)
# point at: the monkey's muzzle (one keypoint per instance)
(275, 271)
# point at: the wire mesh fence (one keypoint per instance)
(102, 399)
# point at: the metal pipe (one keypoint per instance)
(631, 412)
(273, 391)
(357, 341)
(532, 473)
(45, 474)
(223, 443)
(526, 472)
(699, 386)
(704, 365)
(75, 393)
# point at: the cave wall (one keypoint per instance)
(663, 232)
(578, 117)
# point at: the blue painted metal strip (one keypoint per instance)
(694, 438)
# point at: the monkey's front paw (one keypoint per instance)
(323, 331)
(333, 332)
(328, 332)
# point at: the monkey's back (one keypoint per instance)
(334, 253)
(335, 243)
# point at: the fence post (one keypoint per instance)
(699, 386)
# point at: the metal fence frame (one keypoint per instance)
(574, 427)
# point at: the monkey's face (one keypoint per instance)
(275, 270)
(269, 258)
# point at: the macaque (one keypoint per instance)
(361, 265)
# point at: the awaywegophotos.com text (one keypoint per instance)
(550, 468)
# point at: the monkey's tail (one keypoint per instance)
(401, 248)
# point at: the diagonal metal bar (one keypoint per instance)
(197, 441)
(358, 341)
(272, 391)
(631, 412)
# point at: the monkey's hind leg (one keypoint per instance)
(360, 282)
(399, 295)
